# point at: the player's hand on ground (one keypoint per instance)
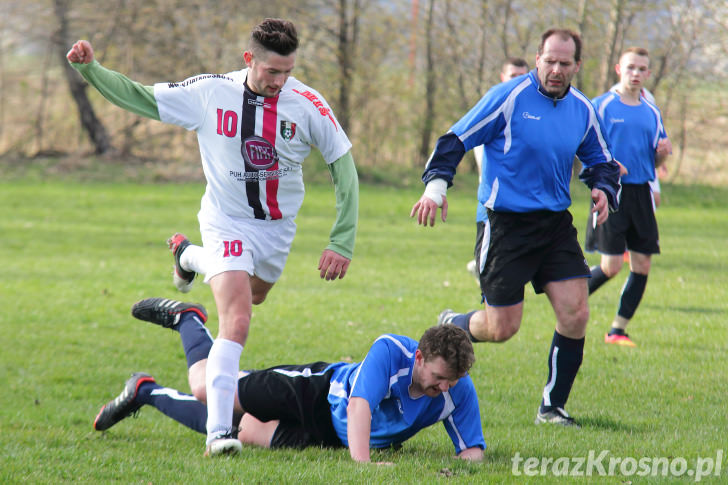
(601, 206)
(333, 265)
(426, 210)
(81, 52)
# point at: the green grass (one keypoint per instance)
(75, 256)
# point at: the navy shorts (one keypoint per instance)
(515, 248)
(633, 227)
(297, 395)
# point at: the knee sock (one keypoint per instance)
(564, 361)
(462, 320)
(183, 408)
(196, 339)
(221, 381)
(598, 278)
(632, 293)
(194, 258)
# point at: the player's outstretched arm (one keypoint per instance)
(115, 87)
(81, 52)
(358, 430)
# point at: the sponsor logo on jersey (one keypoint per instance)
(258, 103)
(198, 78)
(258, 153)
(616, 120)
(318, 104)
(529, 116)
(257, 176)
(288, 130)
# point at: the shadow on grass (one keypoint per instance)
(690, 309)
(609, 424)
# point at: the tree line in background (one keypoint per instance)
(397, 73)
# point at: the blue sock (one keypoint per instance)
(564, 361)
(196, 339)
(632, 293)
(183, 408)
(462, 320)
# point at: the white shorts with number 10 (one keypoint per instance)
(258, 247)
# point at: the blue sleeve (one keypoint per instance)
(605, 177)
(448, 152)
(372, 379)
(599, 171)
(463, 425)
(481, 124)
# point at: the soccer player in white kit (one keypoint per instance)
(254, 127)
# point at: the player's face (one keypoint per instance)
(510, 71)
(267, 73)
(556, 65)
(432, 377)
(633, 70)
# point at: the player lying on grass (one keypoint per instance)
(399, 388)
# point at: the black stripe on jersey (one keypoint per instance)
(247, 129)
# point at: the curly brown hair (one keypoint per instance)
(452, 344)
(277, 35)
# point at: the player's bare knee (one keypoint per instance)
(578, 319)
(235, 329)
(259, 298)
(505, 331)
(611, 269)
(582, 317)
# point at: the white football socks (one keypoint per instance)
(194, 258)
(221, 381)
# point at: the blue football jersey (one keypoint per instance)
(633, 133)
(530, 140)
(383, 379)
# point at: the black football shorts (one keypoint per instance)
(515, 248)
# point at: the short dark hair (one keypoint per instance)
(516, 61)
(564, 34)
(452, 344)
(275, 35)
(640, 51)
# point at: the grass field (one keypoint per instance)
(75, 256)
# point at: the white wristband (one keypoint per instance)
(435, 190)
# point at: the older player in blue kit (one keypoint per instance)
(636, 131)
(531, 127)
(254, 127)
(401, 387)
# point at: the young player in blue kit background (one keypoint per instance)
(531, 128)
(636, 131)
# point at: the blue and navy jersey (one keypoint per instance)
(383, 379)
(633, 133)
(530, 141)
